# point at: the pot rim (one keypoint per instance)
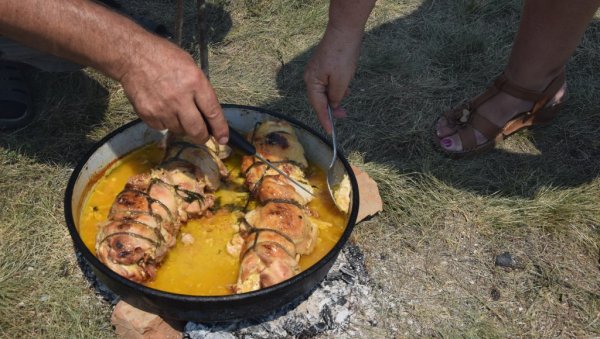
(96, 263)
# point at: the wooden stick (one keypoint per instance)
(179, 23)
(202, 36)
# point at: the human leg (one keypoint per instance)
(549, 32)
(15, 98)
(15, 52)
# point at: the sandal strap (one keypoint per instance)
(539, 98)
(491, 92)
(478, 123)
(507, 86)
(467, 138)
(550, 91)
(484, 126)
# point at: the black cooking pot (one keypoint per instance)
(210, 308)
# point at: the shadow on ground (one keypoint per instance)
(415, 67)
(67, 107)
(70, 106)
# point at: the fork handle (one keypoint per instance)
(238, 140)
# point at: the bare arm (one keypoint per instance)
(350, 16)
(162, 81)
(332, 66)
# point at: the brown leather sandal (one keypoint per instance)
(465, 119)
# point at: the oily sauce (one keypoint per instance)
(199, 263)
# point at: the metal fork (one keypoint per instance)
(330, 176)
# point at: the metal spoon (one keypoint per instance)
(330, 174)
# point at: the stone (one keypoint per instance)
(133, 323)
(370, 202)
(505, 260)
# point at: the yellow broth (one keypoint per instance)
(203, 266)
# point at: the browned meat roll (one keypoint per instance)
(278, 231)
(146, 216)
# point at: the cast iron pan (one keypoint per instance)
(209, 308)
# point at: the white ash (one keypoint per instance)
(342, 304)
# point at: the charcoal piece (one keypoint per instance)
(505, 260)
(495, 293)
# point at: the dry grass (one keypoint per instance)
(537, 196)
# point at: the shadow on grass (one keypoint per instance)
(415, 67)
(67, 107)
(218, 24)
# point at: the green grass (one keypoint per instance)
(431, 252)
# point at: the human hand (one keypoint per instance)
(169, 91)
(163, 83)
(329, 71)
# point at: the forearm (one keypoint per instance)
(331, 68)
(349, 16)
(78, 30)
(162, 81)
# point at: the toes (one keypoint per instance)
(443, 128)
(449, 139)
(451, 143)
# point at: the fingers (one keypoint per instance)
(318, 100)
(340, 113)
(174, 117)
(198, 113)
(192, 123)
(206, 101)
(184, 117)
(202, 116)
(336, 91)
(319, 95)
(153, 123)
(172, 93)
(173, 125)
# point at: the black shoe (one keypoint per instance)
(15, 98)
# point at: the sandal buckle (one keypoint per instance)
(465, 116)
